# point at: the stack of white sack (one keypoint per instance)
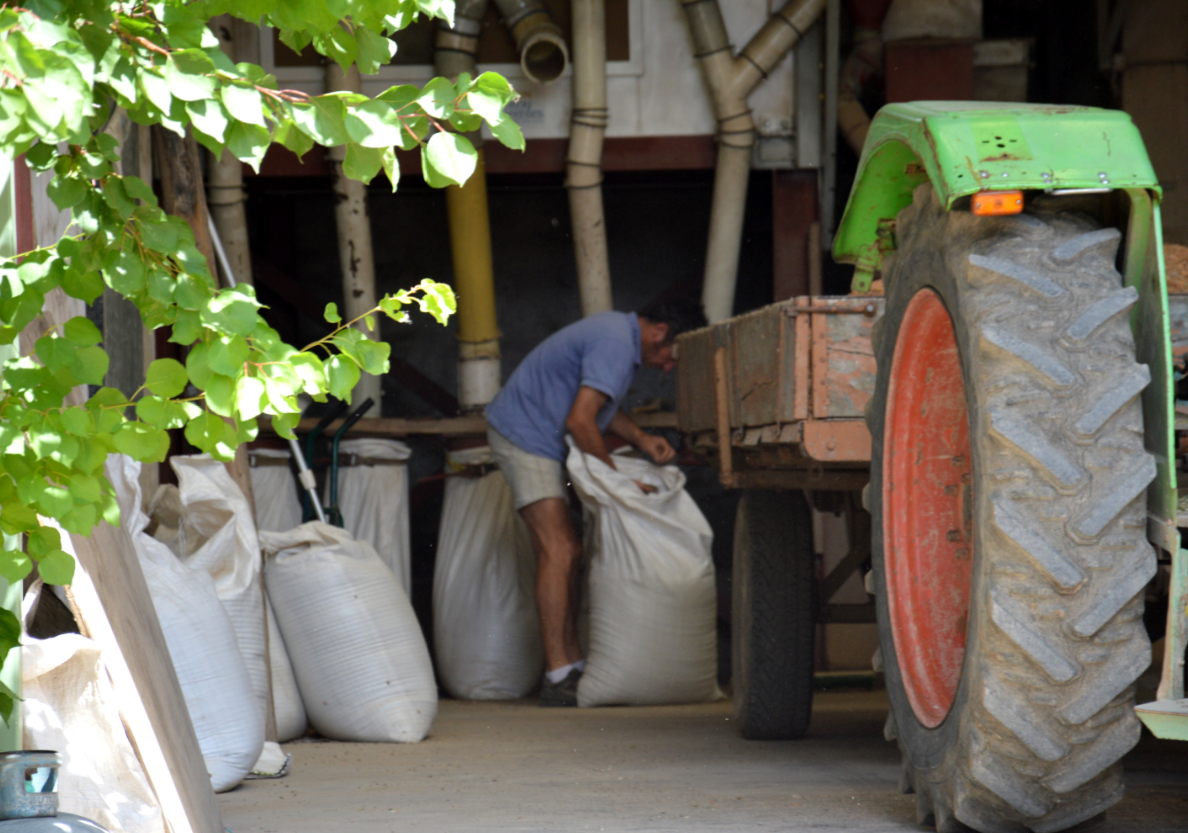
(274, 488)
(486, 633)
(201, 639)
(211, 501)
(68, 705)
(373, 499)
(278, 509)
(356, 646)
(653, 635)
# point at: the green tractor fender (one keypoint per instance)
(963, 148)
(966, 147)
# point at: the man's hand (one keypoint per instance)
(646, 488)
(656, 447)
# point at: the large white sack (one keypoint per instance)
(486, 632)
(214, 506)
(357, 650)
(286, 698)
(278, 505)
(201, 640)
(373, 500)
(653, 636)
(69, 706)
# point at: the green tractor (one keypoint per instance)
(1023, 460)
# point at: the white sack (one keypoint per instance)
(374, 501)
(486, 632)
(69, 705)
(201, 640)
(357, 650)
(653, 637)
(286, 698)
(214, 507)
(278, 505)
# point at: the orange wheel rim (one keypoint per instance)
(927, 508)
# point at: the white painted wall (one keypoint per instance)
(658, 92)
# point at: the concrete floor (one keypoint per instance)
(514, 766)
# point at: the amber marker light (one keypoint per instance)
(997, 203)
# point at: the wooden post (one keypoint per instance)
(354, 239)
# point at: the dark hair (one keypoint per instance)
(680, 314)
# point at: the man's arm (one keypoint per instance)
(655, 447)
(582, 423)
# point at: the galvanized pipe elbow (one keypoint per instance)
(543, 53)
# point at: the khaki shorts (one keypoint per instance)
(530, 476)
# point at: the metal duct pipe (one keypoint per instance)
(731, 81)
(543, 54)
(355, 254)
(584, 164)
(470, 230)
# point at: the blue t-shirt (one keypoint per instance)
(599, 352)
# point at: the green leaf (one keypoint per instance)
(508, 133)
(56, 567)
(82, 284)
(373, 124)
(209, 117)
(82, 332)
(55, 500)
(248, 142)
(227, 355)
(244, 104)
(66, 192)
(142, 442)
(206, 431)
(249, 392)
(53, 351)
(452, 156)
(187, 327)
(438, 300)
(77, 421)
(362, 163)
(331, 313)
(291, 137)
(232, 311)
(343, 374)
(374, 50)
(166, 377)
(283, 425)
(322, 120)
(165, 413)
(373, 356)
(14, 566)
(126, 275)
(89, 365)
(187, 72)
(437, 98)
(16, 518)
(311, 371)
(391, 167)
(43, 540)
(220, 395)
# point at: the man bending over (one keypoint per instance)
(572, 383)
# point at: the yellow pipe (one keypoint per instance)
(470, 243)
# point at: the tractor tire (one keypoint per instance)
(773, 615)
(1008, 482)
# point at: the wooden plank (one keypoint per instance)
(801, 363)
(820, 365)
(112, 601)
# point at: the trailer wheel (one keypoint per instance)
(1008, 491)
(773, 615)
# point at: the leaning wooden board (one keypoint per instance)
(112, 600)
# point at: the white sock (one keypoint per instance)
(558, 674)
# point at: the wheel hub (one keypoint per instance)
(928, 508)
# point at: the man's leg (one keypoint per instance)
(557, 554)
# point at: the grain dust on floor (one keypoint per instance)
(512, 766)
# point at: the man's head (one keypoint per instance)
(659, 325)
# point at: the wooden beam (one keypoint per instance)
(454, 426)
(793, 211)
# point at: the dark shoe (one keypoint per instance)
(560, 694)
